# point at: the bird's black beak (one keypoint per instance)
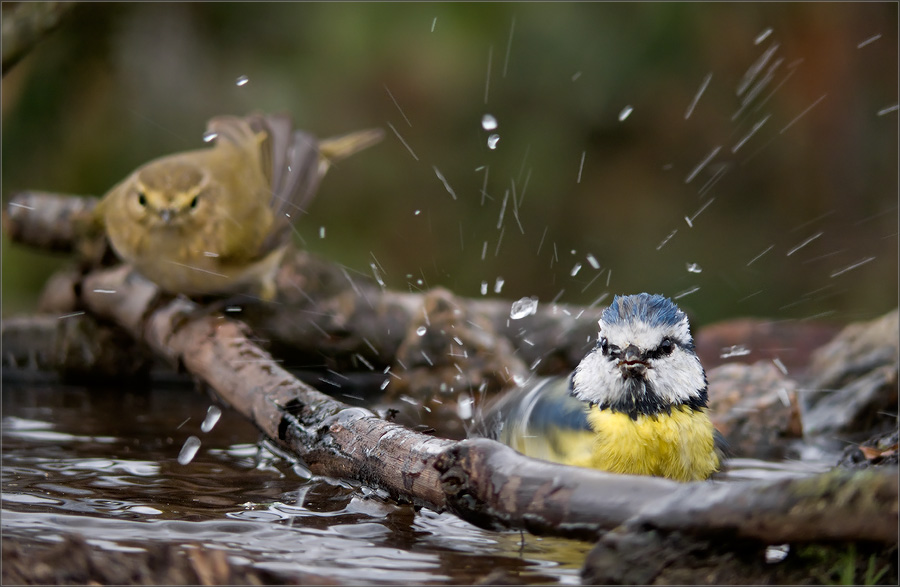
(633, 362)
(631, 354)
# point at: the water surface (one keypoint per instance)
(103, 463)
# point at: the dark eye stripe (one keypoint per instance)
(606, 348)
(666, 347)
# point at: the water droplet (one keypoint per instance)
(780, 365)
(694, 268)
(189, 450)
(575, 269)
(417, 212)
(777, 553)
(384, 383)
(212, 416)
(493, 140)
(576, 75)
(524, 307)
(498, 285)
(484, 288)
(593, 261)
(464, 406)
(625, 113)
(304, 473)
(488, 122)
(241, 81)
(321, 232)
(686, 292)
(762, 36)
(421, 330)
(737, 350)
(209, 136)
(376, 274)
(142, 509)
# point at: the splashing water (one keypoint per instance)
(377, 274)
(441, 177)
(212, 417)
(523, 307)
(777, 553)
(737, 350)
(686, 292)
(762, 36)
(699, 93)
(189, 450)
(464, 406)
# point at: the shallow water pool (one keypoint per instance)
(102, 463)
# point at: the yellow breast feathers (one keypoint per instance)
(679, 445)
(547, 422)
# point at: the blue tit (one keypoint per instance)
(635, 404)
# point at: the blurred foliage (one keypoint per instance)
(118, 84)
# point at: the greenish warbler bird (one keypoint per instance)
(217, 221)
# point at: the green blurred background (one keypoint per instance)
(118, 84)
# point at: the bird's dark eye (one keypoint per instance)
(194, 202)
(666, 346)
(142, 199)
(608, 350)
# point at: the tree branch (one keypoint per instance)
(25, 24)
(480, 480)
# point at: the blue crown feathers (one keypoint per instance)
(655, 310)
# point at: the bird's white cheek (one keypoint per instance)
(678, 377)
(596, 378)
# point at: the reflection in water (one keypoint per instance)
(103, 463)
